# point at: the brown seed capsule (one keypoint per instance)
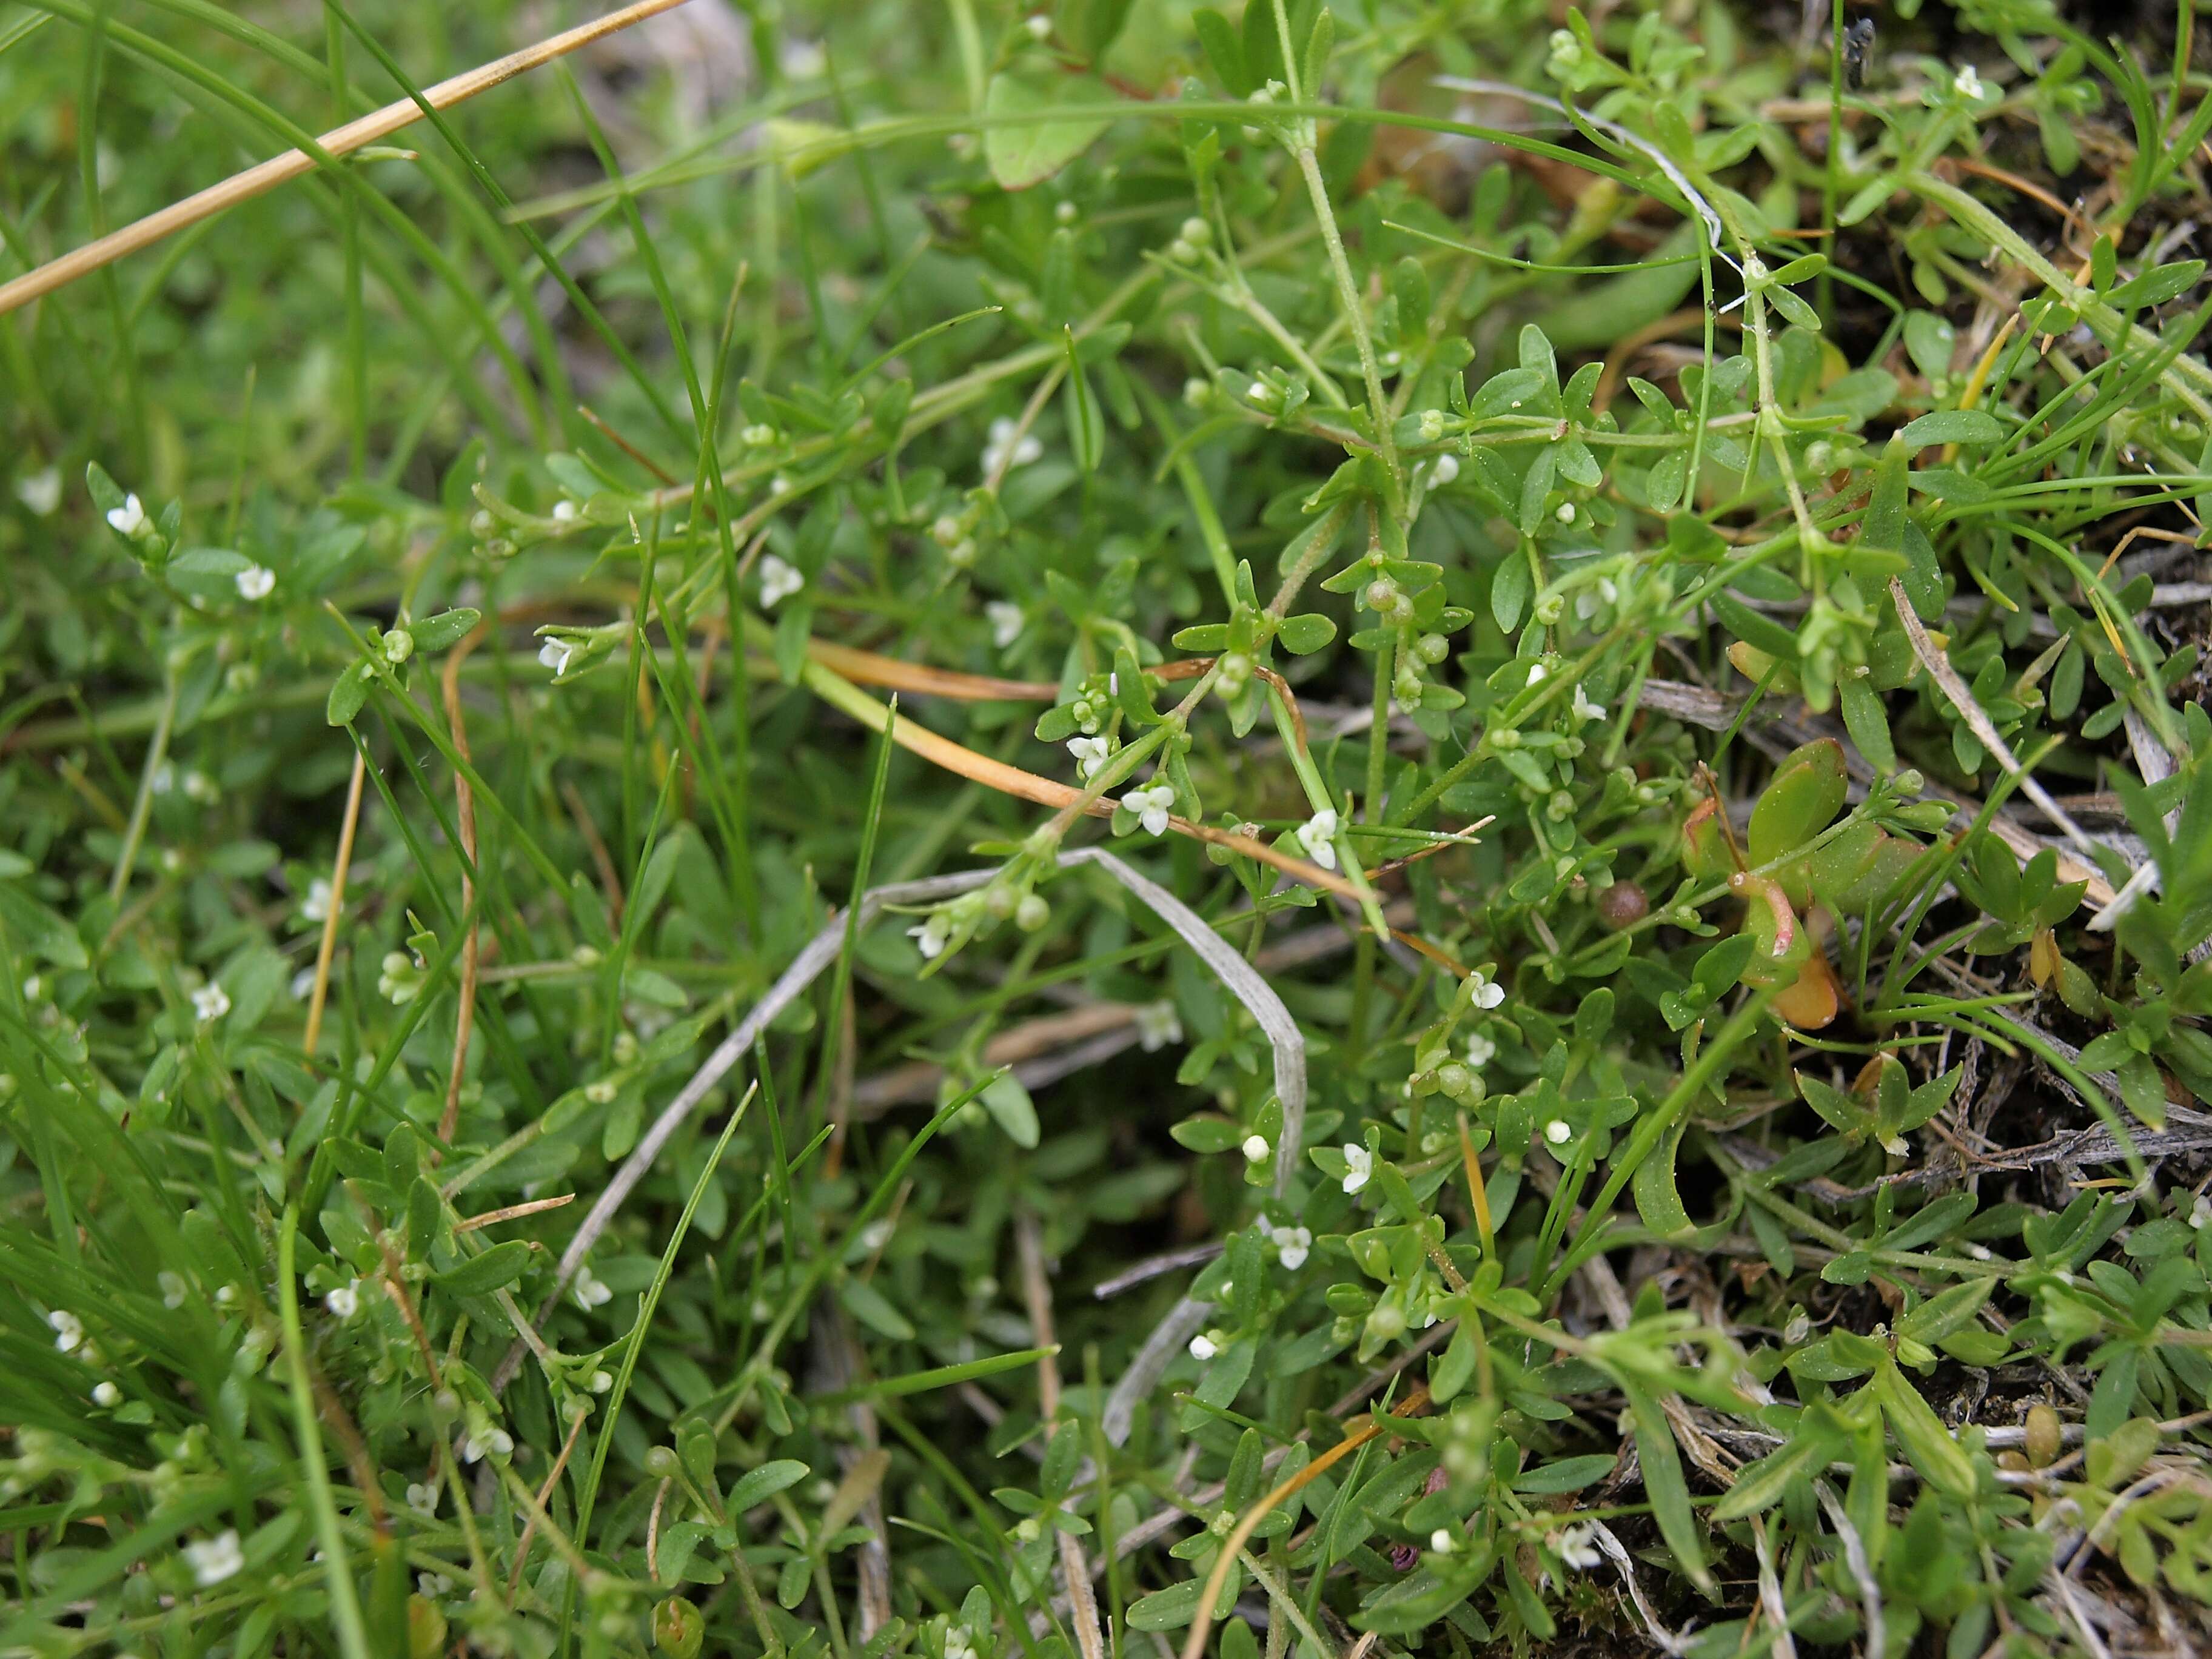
(1622, 905)
(2042, 1435)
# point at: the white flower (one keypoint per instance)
(1584, 710)
(1151, 806)
(433, 1585)
(800, 60)
(876, 1235)
(1442, 471)
(1479, 1049)
(1558, 1131)
(564, 512)
(1538, 673)
(1317, 834)
(498, 1442)
(958, 1644)
(210, 1002)
(1038, 25)
(2200, 1213)
(1004, 452)
(105, 1393)
(256, 582)
(1966, 84)
(218, 1558)
(422, 1497)
(588, 1290)
(69, 1330)
(1205, 1344)
(303, 985)
(345, 1302)
(1566, 512)
(1291, 1244)
(1089, 755)
(1577, 1547)
(164, 779)
(1440, 1541)
(172, 1289)
(201, 788)
(1484, 991)
(1359, 1167)
(1255, 1149)
(1006, 623)
(41, 491)
(129, 520)
(555, 654)
(316, 907)
(1158, 1026)
(779, 581)
(930, 937)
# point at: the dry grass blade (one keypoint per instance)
(260, 179)
(514, 1211)
(919, 678)
(328, 946)
(1036, 1292)
(1938, 663)
(1201, 1622)
(465, 809)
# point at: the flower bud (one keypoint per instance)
(1031, 913)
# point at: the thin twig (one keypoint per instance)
(534, 1207)
(295, 163)
(530, 1527)
(339, 868)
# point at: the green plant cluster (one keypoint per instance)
(910, 831)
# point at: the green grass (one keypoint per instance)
(1521, 705)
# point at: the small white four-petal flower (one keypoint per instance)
(1151, 806)
(1291, 1244)
(255, 582)
(210, 1002)
(130, 518)
(555, 654)
(588, 1290)
(1479, 1049)
(1158, 1026)
(1317, 834)
(221, 1557)
(778, 581)
(1205, 1344)
(1359, 1167)
(1484, 991)
(1584, 710)
(1577, 1546)
(1090, 754)
(1006, 622)
(344, 1301)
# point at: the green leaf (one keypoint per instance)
(436, 633)
(1663, 1483)
(1306, 632)
(1086, 427)
(1224, 50)
(1023, 149)
(1806, 793)
(1868, 722)
(1657, 1198)
(874, 1309)
(1921, 1434)
(1954, 426)
(496, 1268)
(347, 693)
(1168, 1609)
(1011, 1109)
